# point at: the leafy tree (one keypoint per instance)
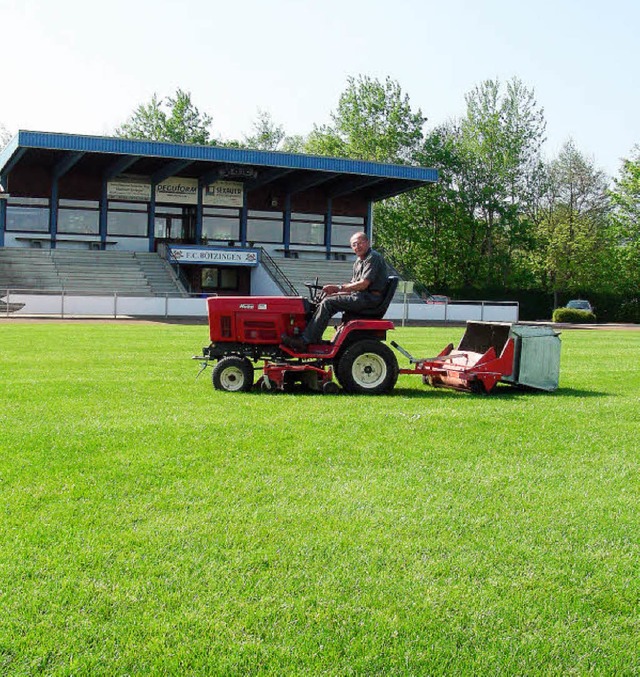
(625, 198)
(573, 235)
(500, 140)
(267, 135)
(475, 227)
(175, 119)
(427, 233)
(5, 136)
(373, 121)
(294, 144)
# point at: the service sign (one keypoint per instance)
(178, 190)
(222, 256)
(223, 194)
(127, 191)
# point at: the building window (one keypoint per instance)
(28, 214)
(219, 223)
(219, 278)
(307, 228)
(78, 217)
(264, 226)
(343, 227)
(128, 219)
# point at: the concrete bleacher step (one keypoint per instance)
(29, 269)
(144, 274)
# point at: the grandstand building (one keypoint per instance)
(182, 218)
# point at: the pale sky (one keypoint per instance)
(82, 67)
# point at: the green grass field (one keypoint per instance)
(151, 525)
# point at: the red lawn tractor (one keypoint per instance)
(247, 330)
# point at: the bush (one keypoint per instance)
(572, 315)
(629, 311)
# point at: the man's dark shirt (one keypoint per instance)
(372, 268)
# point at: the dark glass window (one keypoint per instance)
(78, 217)
(28, 214)
(219, 223)
(265, 226)
(127, 218)
(343, 227)
(307, 228)
(219, 278)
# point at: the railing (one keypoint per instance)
(65, 303)
(164, 253)
(276, 274)
(97, 303)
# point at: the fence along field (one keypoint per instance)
(153, 525)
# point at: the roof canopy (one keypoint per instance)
(110, 157)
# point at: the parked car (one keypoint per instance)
(580, 304)
(437, 298)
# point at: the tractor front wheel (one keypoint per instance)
(233, 374)
(369, 367)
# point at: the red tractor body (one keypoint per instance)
(256, 320)
(246, 329)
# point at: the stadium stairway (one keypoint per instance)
(135, 273)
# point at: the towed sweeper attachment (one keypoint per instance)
(519, 354)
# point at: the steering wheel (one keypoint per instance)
(315, 291)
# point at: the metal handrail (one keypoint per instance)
(276, 274)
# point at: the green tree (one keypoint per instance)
(499, 141)
(475, 227)
(175, 119)
(267, 135)
(428, 233)
(625, 198)
(573, 236)
(373, 121)
(5, 136)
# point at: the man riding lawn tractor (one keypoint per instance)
(364, 292)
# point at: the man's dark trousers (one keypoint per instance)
(331, 305)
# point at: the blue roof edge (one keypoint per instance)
(143, 148)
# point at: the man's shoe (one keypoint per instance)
(295, 343)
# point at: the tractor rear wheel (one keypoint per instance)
(233, 374)
(369, 367)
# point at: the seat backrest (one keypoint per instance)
(377, 312)
(390, 290)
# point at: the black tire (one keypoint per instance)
(330, 388)
(367, 366)
(233, 374)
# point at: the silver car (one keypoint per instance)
(580, 304)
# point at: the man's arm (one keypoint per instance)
(347, 288)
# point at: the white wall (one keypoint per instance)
(262, 283)
(483, 311)
(161, 306)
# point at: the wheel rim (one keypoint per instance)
(232, 378)
(369, 370)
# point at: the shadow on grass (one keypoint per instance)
(502, 392)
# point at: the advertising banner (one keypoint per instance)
(125, 191)
(178, 190)
(221, 256)
(223, 194)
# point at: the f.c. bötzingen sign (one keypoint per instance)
(216, 257)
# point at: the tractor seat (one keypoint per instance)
(376, 312)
